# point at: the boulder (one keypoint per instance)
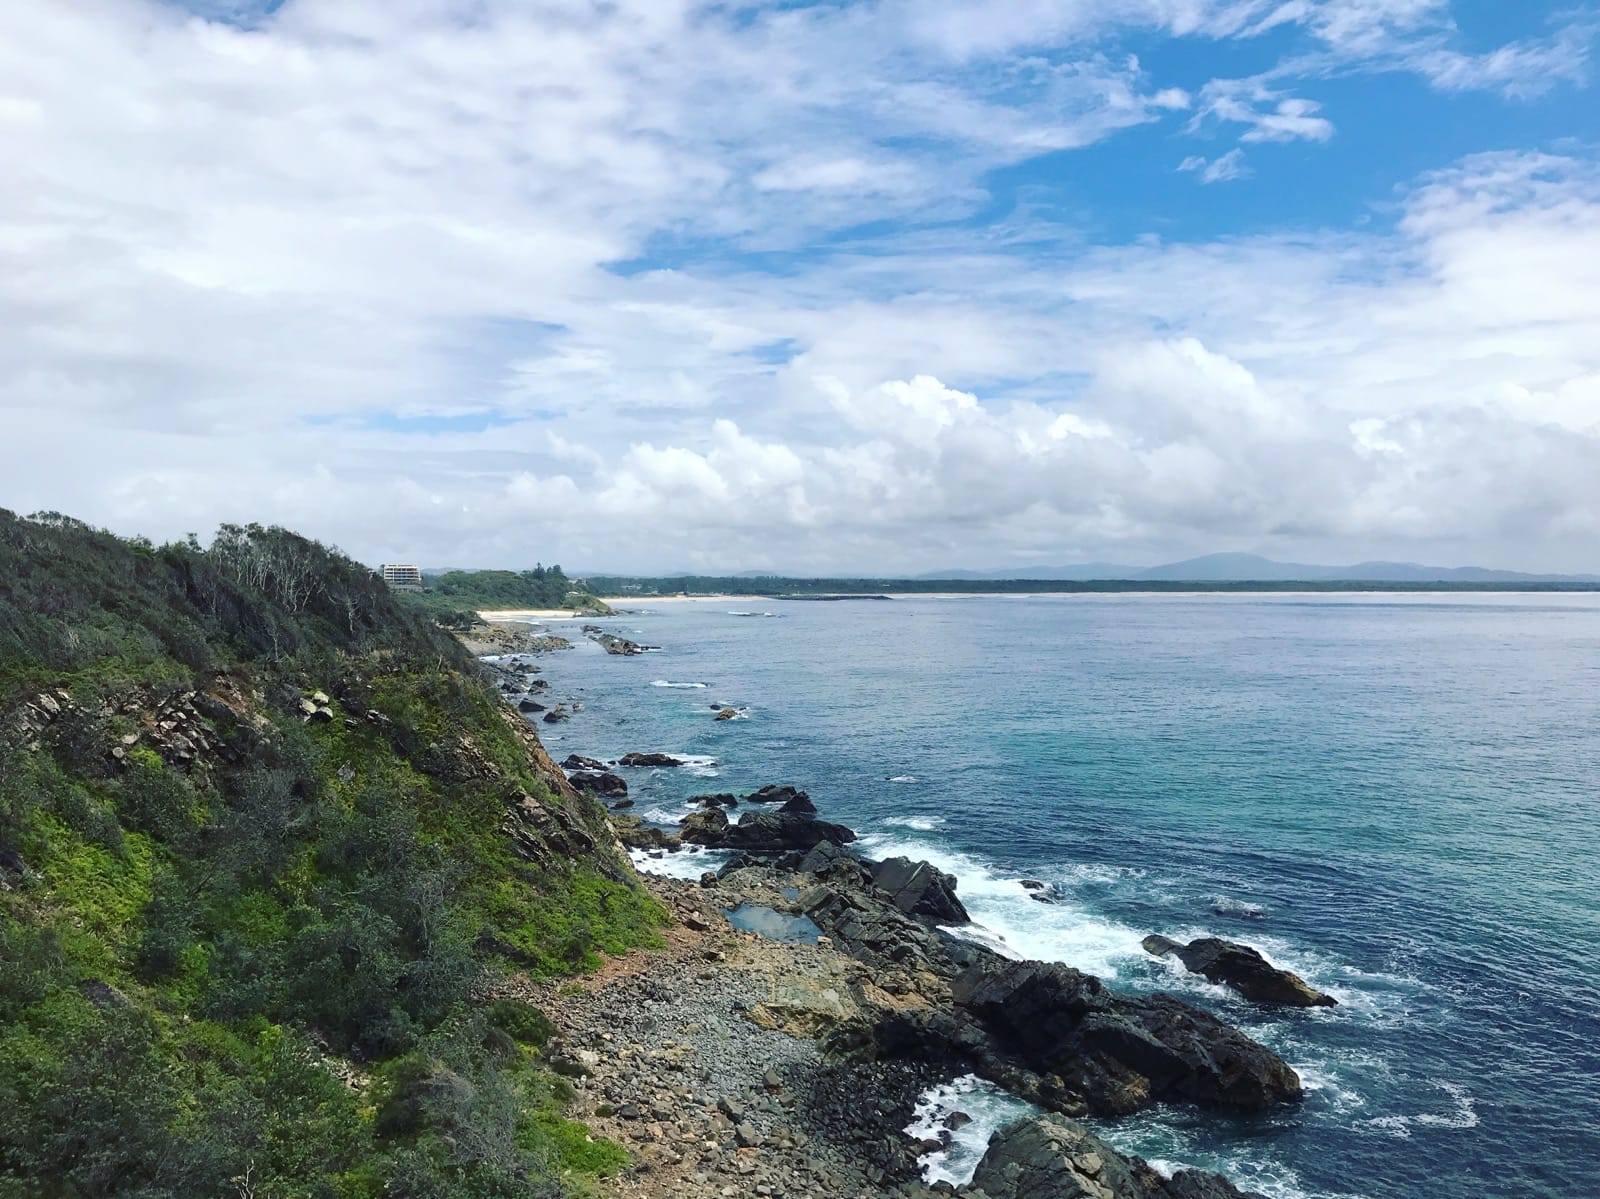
(638, 759)
(776, 793)
(557, 714)
(530, 705)
(709, 826)
(779, 832)
(822, 857)
(726, 713)
(1118, 1053)
(720, 800)
(1242, 968)
(601, 782)
(800, 805)
(1050, 1157)
(578, 762)
(920, 889)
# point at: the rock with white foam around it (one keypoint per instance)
(1051, 1157)
(1242, 968)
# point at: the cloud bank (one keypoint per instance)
(673, 285)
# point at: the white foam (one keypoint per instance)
(905, 778)
(991, 1110)
(1003, 909)
(690, 862)
(1464, 1116)
(680, 686)
(700, 765)
(922, 824)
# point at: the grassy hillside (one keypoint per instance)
(268, 844)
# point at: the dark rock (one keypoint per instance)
(11, 861)
(776, 793)
(800, 805)
(709, 826)
(638, 759)
(1118, 1053)
(103, 995)
(822, 858)
(720, 800)
(727, 713)
(1242, 968)
(778, 832)
(557, 714)
(577, 762)
(1032, 884)
(920, 889)
(1049, 1157)
(622, 806)
(601, 782)
(620, 646)
(530, 705)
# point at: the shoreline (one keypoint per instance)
(733, 1063)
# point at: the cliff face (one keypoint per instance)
(267, 843)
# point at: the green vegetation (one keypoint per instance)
(455, 597)
(268, 844)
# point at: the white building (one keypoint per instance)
(400, 575)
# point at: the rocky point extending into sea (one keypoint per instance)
(788, 1063)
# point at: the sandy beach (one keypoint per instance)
(616, 601)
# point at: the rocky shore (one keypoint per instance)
(787, 1062)
(878, 1003)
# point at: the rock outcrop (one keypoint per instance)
(1049, 1157)
(919, 889)
(1243, 969)
(638, 759)
(779, 793)
(1116, 1053)
(601, 782)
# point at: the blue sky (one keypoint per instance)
(876, 286)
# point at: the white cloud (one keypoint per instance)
(1219, 170)
(229, 257)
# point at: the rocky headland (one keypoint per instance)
(787, 1062)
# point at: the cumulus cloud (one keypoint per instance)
(503, 282)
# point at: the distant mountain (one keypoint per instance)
(1253, 568)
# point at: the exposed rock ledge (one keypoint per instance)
(1243, 969)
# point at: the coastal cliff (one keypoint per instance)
(293, 901)
(270, 847)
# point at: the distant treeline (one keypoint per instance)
(455, 597)
(541, 587)
(624, 586)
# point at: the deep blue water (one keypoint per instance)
(1403, 791)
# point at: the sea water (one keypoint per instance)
(1396, 796)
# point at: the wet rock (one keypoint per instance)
(557, 714)
(578, 762)
(601, 782)
(779, 832)
(1049, 1157)
(530, 705)
(775, 793)
(722, 799)
(800, 805)
(1118, 1052)
(920, 889)
(638, 759)
(1242, 968)
(709, 826)
(727, 713)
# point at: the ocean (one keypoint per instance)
(1396, 796)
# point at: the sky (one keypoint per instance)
(857, 287)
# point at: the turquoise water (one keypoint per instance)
(1396, 796)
